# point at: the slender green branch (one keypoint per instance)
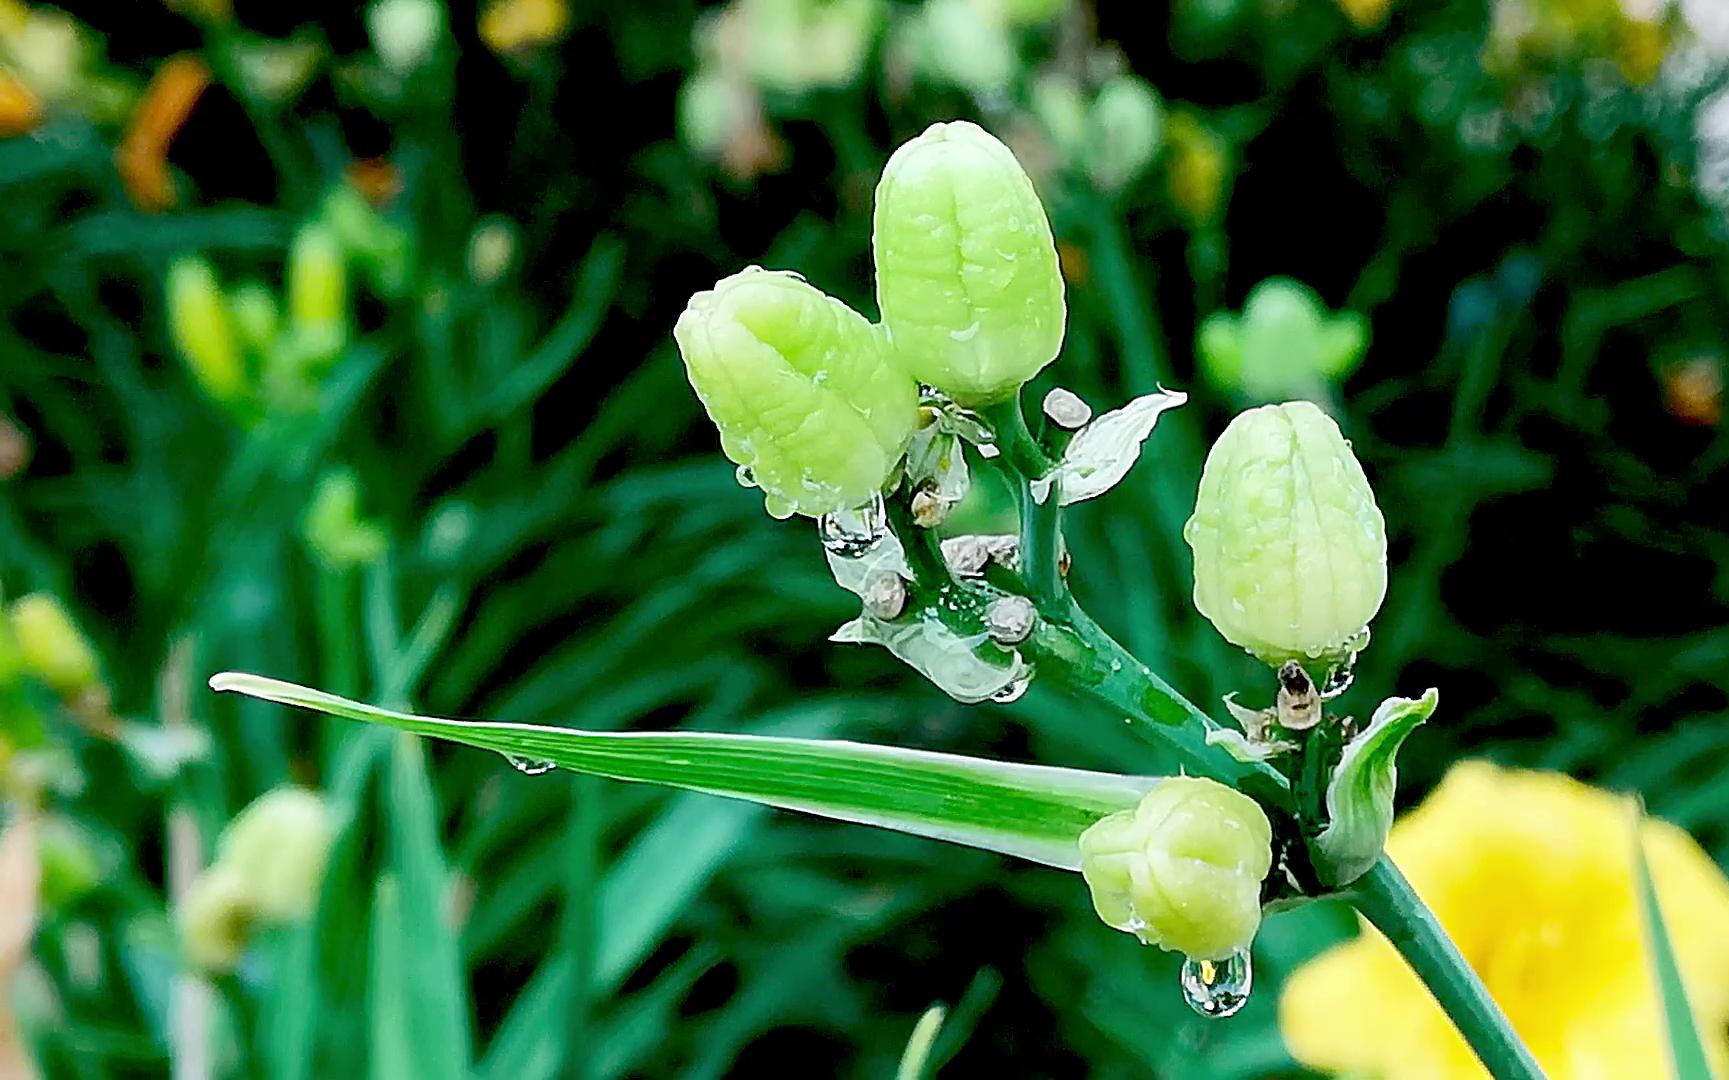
(1041, 523)
(1387, 900)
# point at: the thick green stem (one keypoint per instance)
(1387, 900)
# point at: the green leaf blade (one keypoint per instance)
(1034, 812)
(1686, 1051)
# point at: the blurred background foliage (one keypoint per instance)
(335, 345)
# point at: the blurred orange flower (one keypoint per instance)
(142, 156)
(20, 109)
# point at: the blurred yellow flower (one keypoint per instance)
(1197, 168)
(1365, 14)
(1532, 875)
(521, 25)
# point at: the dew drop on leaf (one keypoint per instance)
(1217, 989)
(529, 766)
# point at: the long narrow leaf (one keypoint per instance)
(1035, 812)
(1686, 1052)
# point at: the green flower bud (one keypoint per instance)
(1182, 870)
(51, 646)
(795, 45)
(215, 919)
(801, 389)
(333, 527)
(318, 294)
(404, 32)
(1124, 129)
(1057, 103)
(255, 316)
(1290, 548)
(277, 847)
(70, 866)
(1360, 793)
(203, 332)
(967, 274)
(1285, 344)
(962, 43)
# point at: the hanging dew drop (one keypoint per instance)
(849, 534)
(1013, 691)
(529, 766)
(1218, 988)
(745, 478)
(1339, 677)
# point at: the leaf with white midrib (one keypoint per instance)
(1034, 812)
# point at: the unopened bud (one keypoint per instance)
(278, 847)
(1290, 548)
(801, 389)
(1182, 870)
(967, 275)
(202, 329)
(50, 644)
(215, 919)
(318, 295)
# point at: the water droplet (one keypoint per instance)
(1217, 989)
(745, 478)
(851, 533)
(1011, 693)
(529, 766)
(1340, 675)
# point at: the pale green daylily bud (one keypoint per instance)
(404, 32)
(1284, 344)
(1360, 793)
(202, 329)
(215, 919)
(801, 389)
(255, 315)
(1124, 129)
(1290, 548)
(50, 644)
(333, 527)
(317, 295)
(967, 274)
(278, 847)
(1182, 870)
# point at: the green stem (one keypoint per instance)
(1041, 523)
(1387, 900)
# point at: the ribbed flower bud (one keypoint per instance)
(50, 644)
(1182, 870)
(203, 329)
(801, 389)
(1290, 548)
(278, 847)
(967, 275)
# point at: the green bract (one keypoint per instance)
(1183, 869)
(1360, 793)
(1290, 548)
(967, 274)
(801, 389)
